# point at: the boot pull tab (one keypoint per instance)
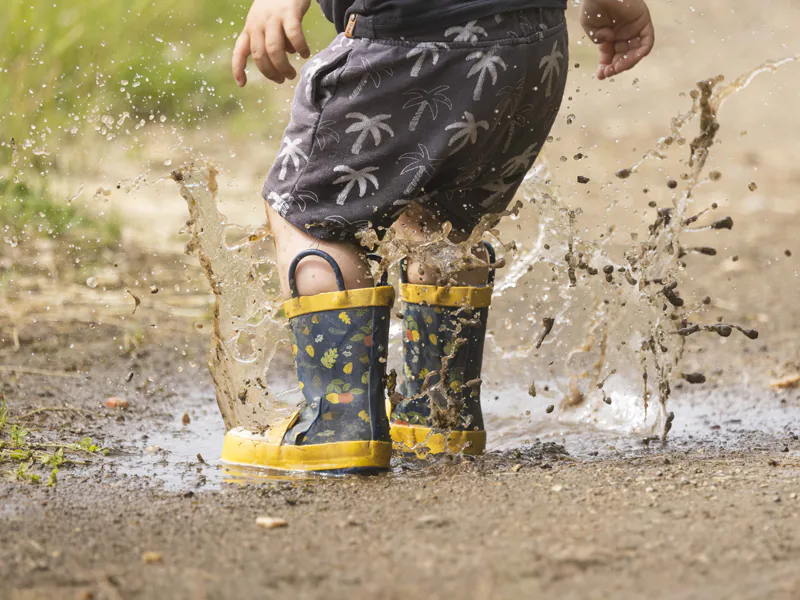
(385, 277)
(337, 272)
(489, 251)
(492, 260)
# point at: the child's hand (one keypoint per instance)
(622, 29)
(272, 29)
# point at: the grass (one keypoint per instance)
(27, 213)
(67, 64)
(97, 71)
(27, 460)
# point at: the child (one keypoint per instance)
(420, 112)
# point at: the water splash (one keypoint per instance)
(607, 326)
(247, 332)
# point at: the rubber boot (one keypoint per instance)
(339, 341)
(443, 336)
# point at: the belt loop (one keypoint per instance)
(542, 24)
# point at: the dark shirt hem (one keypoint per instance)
(441, 15)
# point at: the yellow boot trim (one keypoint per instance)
(422, 440)
(243, 447)
(358, 298)
(431, 295)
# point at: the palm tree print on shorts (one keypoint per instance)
(422, 51)
(291, 152)
(370, 75)
(326, 134)
(466, 33)
(522, 162)
(552, 68)
(453, 119)
(430, 99)
(466, 131)
(499, 190)
(510, 98)
(283, 202)
(421, 164)
(353, 177)
(487, 62)
(368, 126)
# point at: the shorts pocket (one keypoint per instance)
(322, 76)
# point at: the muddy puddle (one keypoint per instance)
(733, 419)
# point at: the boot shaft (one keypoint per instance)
(340, 342)
(444, 329)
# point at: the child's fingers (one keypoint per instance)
(294, 33)
(262, 59)
(277, 52)
(606, 59)
(640, 48)
(626, 60)
(240, 52)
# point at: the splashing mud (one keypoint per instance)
(607, 321)
(246, 332)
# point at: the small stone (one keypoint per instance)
(432, 521)
(557, 488)
(752, 187)
(115, 402)
(672, 184)
(152, 558)
(271, 522)
(153, 289)
(549, 409)
(185, 419)
(787, 383)
(516, 468)
(582, 179)
(128, 377)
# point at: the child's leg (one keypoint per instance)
(416, 225)
(314, 276)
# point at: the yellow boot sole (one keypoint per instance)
(422, 440)
(242, 447)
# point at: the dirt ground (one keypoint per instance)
(713, 513)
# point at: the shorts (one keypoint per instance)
(451, 121)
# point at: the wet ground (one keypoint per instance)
(714, 512)
(560, 507)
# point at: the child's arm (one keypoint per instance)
(623, 31)
(272, 29)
